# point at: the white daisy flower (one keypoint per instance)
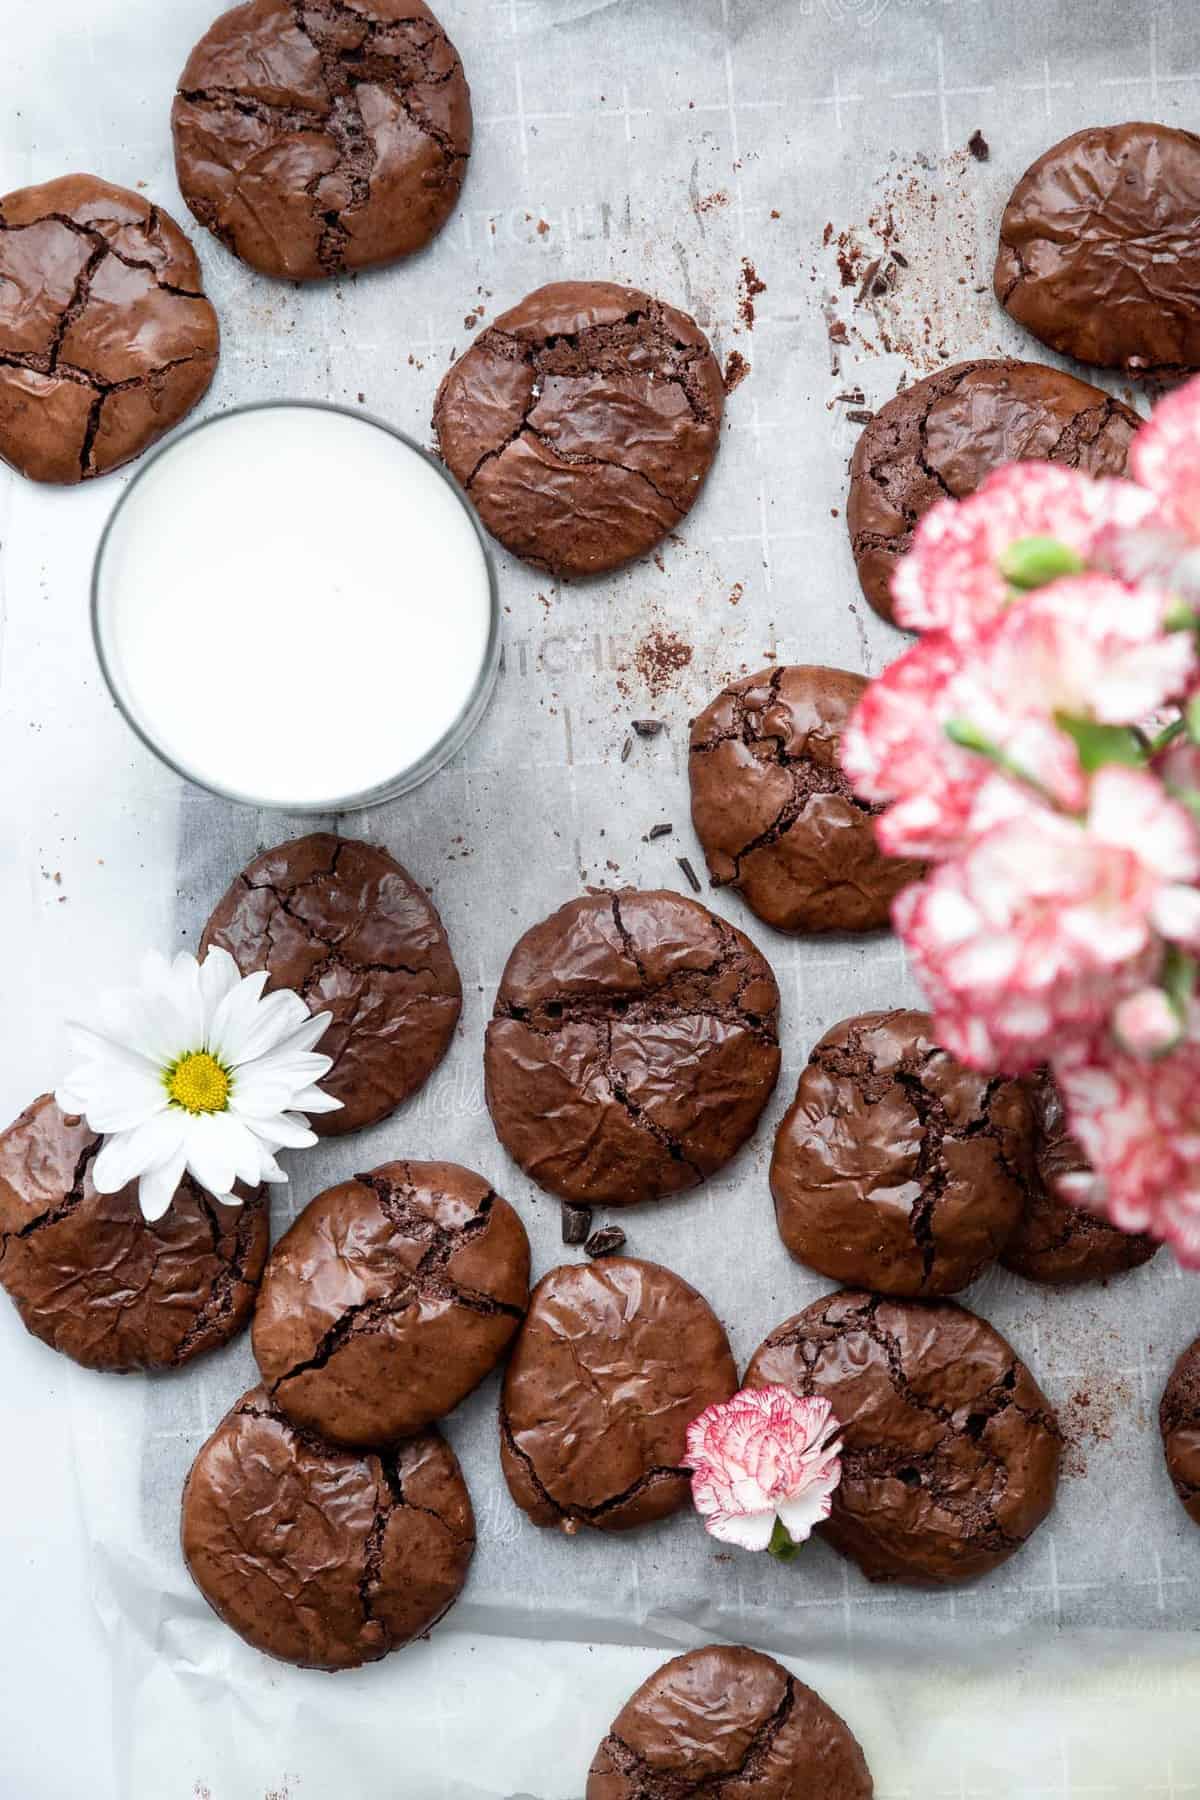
(196, 1070)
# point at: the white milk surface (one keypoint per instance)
(294, 605)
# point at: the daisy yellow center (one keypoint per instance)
(198, 1083)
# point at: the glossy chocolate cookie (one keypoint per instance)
(776, 816)
(89, 1275)
(316, 136)
(614, 1361)
(1179, 1419)
(351, 931)
(1055, 1242)
(1099, 254)
(106, 338)
(940, 437)
(582, 423)
(896, 1168)
(950, 1450)
(327, 1558)
(389, 1299)
(633, 1047)
(727, 1720)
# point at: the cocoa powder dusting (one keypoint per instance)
(659, 658)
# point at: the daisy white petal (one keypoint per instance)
(125, 1154)
(234, 1016)
(316, 1100)
(219, 975)
(307, 1034)
(282, 1131)
(157, 1187)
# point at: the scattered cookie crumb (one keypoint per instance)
(605, 1242)
(659, 658)
(736, 370)
(979, 147)
(751, 287)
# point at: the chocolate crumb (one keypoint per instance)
(659, 658)
(752, 286)
(663, 830)
(576, 1223)
(899, 257)
(692, 877)
(648, 727)
(626, 749)
(736, 370)
(979, 147)
(860, 415)
(852, 397)
(604, 1243)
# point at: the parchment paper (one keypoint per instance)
(658, 142)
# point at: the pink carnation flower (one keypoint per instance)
(766, 1454)
(1165, 458)
(951, 580)
(1138, 1124)
(1046, 923)
(1146, 1024)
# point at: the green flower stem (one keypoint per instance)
(1034, 562)
(1174, 730)
(781, 1546)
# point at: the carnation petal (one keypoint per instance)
(749, 1531)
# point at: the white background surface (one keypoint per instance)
(1076, 1668)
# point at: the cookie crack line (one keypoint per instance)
(640, 1117)
(103, 245)
(70, 1200)
(230, 1275)
(573, 1515)
(654, 1784)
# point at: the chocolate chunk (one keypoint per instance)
(727, 1719)
(614, 1361)
(576, 1223)
(93, 1279)
(690, 874)
(391, 1297)
(660, 831)
(605, 1242)
(1099, 255)
(322, 1557)
(582, 423)
(896, 1168)
(351, 931)
(315, 136)
(979, 147)
(776, 816)
(633, 1047)
(648, 727)
(943, 435)
(106, 338)
(950, 1450)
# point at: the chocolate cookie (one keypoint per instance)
(726, 1714)
(327, 1558)
(390, 1298)
(614, 1361)
(106, 338)
(89, 1275)
(1056, 1242)
(1179, 1418)
(582, 423)
(1099, 255)
(351, 931)
(776, 816)
(315, 136)
(896, 1168)
(950, 1450)
(633, 1047)
(942, 436)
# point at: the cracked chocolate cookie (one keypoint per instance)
(633, 1047)
(776, 816)
(582, 423)
(896, 1168)
(351, 931)
(950, 1450)
(388, 1300)
(106, 338)
(93, 1279)
(317, 136)
(728, 1715)
(1179, 1419)
(614, 1361)
(1099, 255)
(1056, 1242)
(940, 437)
(322, 1557)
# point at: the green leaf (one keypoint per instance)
(969, 737)
(1179, 978)
(1101, 744)
(1179, 616)
(1191, 715)
(1034, 562)
(781, 1545)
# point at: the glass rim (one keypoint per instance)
(403, 780)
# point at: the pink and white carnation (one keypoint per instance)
(1138, 1123)
(1046, 923)
(1165, 459)
(953, 581)
(767, 1454)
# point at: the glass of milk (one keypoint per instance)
(295, 607)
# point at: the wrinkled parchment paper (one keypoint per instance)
(658, 142)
